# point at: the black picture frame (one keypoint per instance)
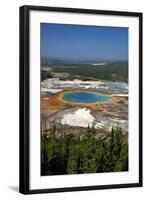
(24, 98)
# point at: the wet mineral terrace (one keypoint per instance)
(72, 116)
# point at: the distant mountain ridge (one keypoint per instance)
(47, 60)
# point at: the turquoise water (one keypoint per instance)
(117, 85)
(85, 97)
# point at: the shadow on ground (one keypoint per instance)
(14, 188)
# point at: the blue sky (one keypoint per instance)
(78, 42)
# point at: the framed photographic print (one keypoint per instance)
(80, 99)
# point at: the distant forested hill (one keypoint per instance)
(112, 71)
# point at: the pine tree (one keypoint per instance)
(122, 163)
(52, 147)
(87, 153)
(44, 156)
(72, 164)
(100, 151)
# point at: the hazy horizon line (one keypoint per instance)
(81, 59)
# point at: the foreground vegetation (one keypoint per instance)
(74, 155)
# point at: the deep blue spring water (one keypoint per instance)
(85, 97)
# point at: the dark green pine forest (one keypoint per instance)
(68, 154)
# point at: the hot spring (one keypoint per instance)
(85, 97)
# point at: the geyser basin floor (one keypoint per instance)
(54, 103)
(85, 97)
